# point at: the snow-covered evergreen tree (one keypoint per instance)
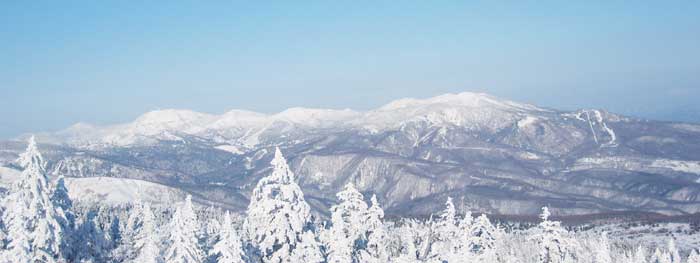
(673, 251)
(34, 229)
(640, 255)
(228, 249)
(213, 230)
(694, 257)
(278, 215)
(66, 218)
(147, 241)
(183, 242)
(408, 245)
(308, 249)
(125, 249)
(661, 257)
(348, 227)
(443, 244)
(602, 249)
(483, 240)
(93, 243)
(554, 242)
(3, 228)
(377, 247)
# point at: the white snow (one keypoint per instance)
(638, 164)
(611, 133)
(230, 148)
(475, 111)
(529, 156)
(527, 121)
(121, 190)
(8, 176)
(598, 120)
(692, 167)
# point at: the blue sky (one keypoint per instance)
(105, 62)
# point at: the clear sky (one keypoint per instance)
(63, 62)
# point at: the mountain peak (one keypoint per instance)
(463, 99)
(172, 116)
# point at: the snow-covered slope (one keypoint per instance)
(8, 176)
(121, 191)
(108, 190)
(474, 111)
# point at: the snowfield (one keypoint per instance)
(119, 191)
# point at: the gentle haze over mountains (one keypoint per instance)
(102, 63)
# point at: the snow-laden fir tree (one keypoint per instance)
(228, 248)
(308, 250)
(673, 251)
(147, 241)
(183, 241)
(377, 237)
(484, 240)
(694, 256)
(554, 242)
(640, 255)
(442, 243)
(66, 218)
(348, 227)
(134, 222)
(407, 233)
(661, 257)
(93, 242)
(212, 229)
(34, 231)
(602, 249)
(212, 232)
(3, 233)
(278, 215)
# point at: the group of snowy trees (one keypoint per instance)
(41, 224)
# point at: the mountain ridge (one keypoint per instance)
(499, 156)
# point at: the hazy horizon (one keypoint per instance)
(104, 63)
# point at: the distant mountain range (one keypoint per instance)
(491, 155)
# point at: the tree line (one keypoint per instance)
(40, 223)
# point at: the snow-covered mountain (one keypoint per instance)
(496, 155)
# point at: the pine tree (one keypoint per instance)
(673, 251)
(277, 213)
(640, 255)
(348, 226)
(377, 247)
(661, 257)
(92, 241)
(212, 234)
(484, 238)
(602, 249)
(147, 242)
(183, 244)
(66, 218)
(553, 240)
(308, 249)
(125, 249)
(33, 222)
(443, 243)
(228, 249)
(408, 246)
(694, 257)
(3, 228)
